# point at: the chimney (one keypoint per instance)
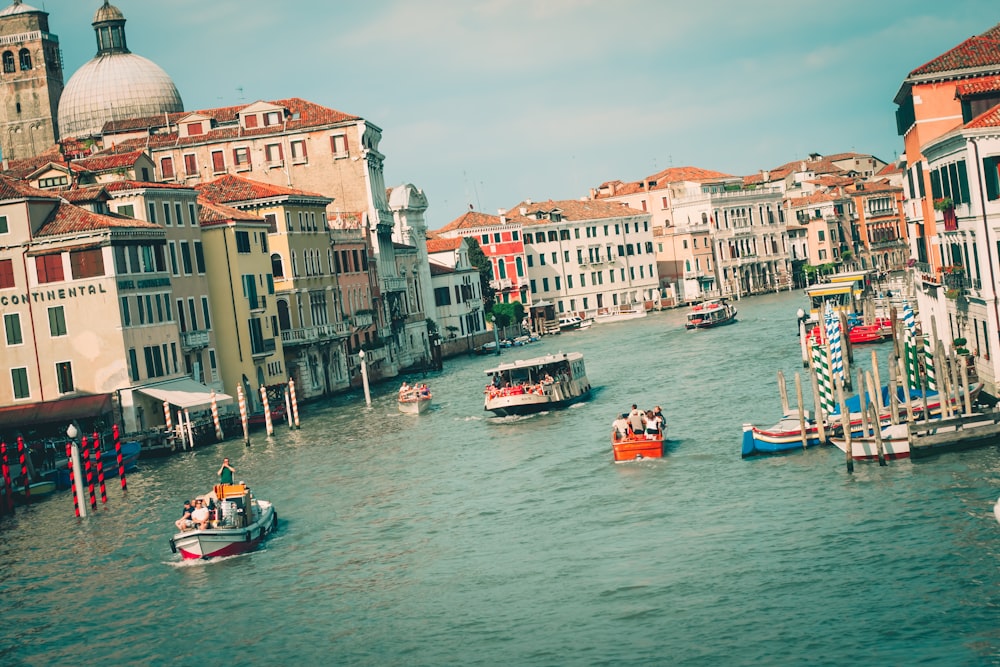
(524, 210)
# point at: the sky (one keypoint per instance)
(486, 103)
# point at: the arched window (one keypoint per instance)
(277, 266)
(25, 56)
(502, 268)
(8, 62)
(704, 218)
(295, 266)
(284, 316)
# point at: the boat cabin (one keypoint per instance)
(845, 292)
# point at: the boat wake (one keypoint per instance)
(198, 562)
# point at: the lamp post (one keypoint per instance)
(364, 377)
(72, 432)
(496, 335)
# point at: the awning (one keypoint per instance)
(185, 393)
(63, 410)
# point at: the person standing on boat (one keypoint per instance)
(226, 472)
(652, 426)
(637, 420)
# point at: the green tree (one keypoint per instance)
(485, 266)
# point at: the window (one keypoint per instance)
(49, 268)
(151, 209)
(545, 284)
(186, 258)
(178, 214)
(167, 167)
(273, 154)
(133, 365)
(86, 263)
(520, 267)
(166, 214)
(250, 121)
(442, 296)
(4, 228)
(12, 327)
(190, 164)
(206, 314)
(338, 144)
(64, 375)
(199, 257)
(531, 261)
(241, 158)
(218, 162)
(19, 381)
(6, 273)
(298, 151)
(822, 236)
(25, 56)
(8, 62)
(192, 215)
(128, 210)
(154, 361)
(243, 242)
(126, 312)
(271, 118)
(195, 129)
(991, 172)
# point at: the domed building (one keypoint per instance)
(115, 85)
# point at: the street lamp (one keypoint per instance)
(72, 432)
(496, 335)
(364, 378)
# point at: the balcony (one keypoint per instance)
(394, 284)
(317, 334)
(955, 280)
(362, 319)
(474, 304)
(501, 284)
(262, 347)
(194, 340)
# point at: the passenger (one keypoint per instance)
(182, 523)
(225, 472)
(620, 427)
(658, 413)
(199, 517)
(652, 426)
(637, 420)
(547, 379)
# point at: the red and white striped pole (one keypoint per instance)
(269, 426)
(288, 409)
(72, 478)
(5, 470)
(243, 414)
(215, 417)
(190, 429)
(25, 480)
(168, 422)
(295, 403)
(90, 472)
(116, 434)
(99, 460)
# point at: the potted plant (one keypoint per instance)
(943, 204)
(960, 346)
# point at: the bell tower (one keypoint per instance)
(31, 82)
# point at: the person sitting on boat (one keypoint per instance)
(183, 522)
(548, 379)
(424, 391)
(199, 517)
(652, 426)
(620, 427)
(637, 420)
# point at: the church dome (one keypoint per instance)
(115, 85)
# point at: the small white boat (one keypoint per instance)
(533, 385)
(620, 313)
(996, 510)
(241, 525)
(414, 400)
(895, 444)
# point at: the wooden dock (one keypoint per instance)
(948, 435)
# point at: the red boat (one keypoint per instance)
(636, 448)
(861, 333)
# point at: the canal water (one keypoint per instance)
(452, 538)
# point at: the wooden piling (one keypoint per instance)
(870, 383)
(862, 403)
(944, 380)
(802, 414)
(783, 392)
(879, 445)
(820, 415)
(878, 383)
(965, 383)
(893, 397)
(845, 422)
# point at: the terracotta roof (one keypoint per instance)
(69, 219)
(11, 188)
(989, 118)
(989, 84)
(572, 210)
(211, 214)
(108, 161)
(439, 270)
(300, 115)
(86, 194)
(231, 188)
(679, 174)
(124, 186)
(812, 198)
(832, 181)
(471, 220)
(891, 168)
(443, 244)
(347, 220)
(979, 51)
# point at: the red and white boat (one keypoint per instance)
(241, 523)
(713, 313)
(636, 447)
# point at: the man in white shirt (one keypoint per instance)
(199, 517)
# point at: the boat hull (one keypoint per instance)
(109, 463)
(36, 491)
(636, 449)
(219, 542)
(414, 406)
(526, 404)
(785, 436)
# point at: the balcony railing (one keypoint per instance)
(362, 320)
(394, 284)
(306, 335)
(501, 284)
(193, 340)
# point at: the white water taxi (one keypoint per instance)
(533, 385)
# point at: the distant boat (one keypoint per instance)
(714, 313)
(574, 322)
(619, 313)
(414, 401)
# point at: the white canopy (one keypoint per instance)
(185, 393)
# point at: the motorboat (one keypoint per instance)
(574, 323)
(526, 386)
(240, 524)
(784, 436)
(414, 400)
(708, 314)
(620, 313)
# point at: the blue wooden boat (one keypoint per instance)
(109, 461)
